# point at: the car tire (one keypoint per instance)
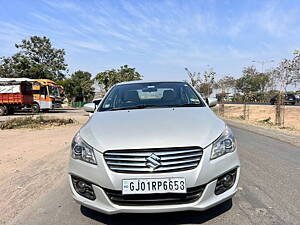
(3, 110)
(35, 108)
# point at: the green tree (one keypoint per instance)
(225, 83)
(194, 78)
(79, 87)
(111, 77)
(296, 67)
(204, 84)
(288, 72)
(36, 59)
(263, 81)
(252, 81)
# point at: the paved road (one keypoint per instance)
(257, 103)
(269, 194)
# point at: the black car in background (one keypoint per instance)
(287, 99)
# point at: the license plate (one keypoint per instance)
(148, 186)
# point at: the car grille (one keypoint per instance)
(192, 195)
(153, 160)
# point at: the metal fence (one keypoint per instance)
(78, 104)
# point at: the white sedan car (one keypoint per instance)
(153, 147)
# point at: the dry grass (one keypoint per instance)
(264, 115)
(35, 122)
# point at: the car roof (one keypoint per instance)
(152, 81)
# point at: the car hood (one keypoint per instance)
(152, 128)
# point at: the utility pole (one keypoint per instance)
(263, 62)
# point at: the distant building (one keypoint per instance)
(99, 90)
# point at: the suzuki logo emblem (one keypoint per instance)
(153, 161)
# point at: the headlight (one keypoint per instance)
(224, 144)
(82, 151)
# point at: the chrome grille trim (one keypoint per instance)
(145, 169)
(142, 159)
(158, 153)
(180, 157)
(170, 160)
(180, 162)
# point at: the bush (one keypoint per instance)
(34, 122)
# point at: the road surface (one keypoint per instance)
(258, 103)
(269, 193)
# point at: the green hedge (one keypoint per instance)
(78, 104)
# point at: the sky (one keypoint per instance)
(157, 37)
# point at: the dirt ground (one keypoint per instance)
(32, 161)
(258, 113)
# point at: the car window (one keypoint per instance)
(156, 94)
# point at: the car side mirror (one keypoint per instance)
(211, 102)
(89, 107)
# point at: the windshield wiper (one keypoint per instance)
(135, 107)
(143, 106)
(186, 105)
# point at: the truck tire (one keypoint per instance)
(10, 111)
(3, 110)
(35, 108)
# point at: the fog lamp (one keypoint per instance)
(225, 182)
(83, 188)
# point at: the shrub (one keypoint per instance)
(34, 122)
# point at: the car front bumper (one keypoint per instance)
(103, 178)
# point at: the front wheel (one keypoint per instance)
(3, 110)
(10, 111)
(35, 108)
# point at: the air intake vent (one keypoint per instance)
(192, 195)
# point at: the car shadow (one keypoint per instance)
(187, 217)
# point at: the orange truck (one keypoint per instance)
(47, 95)
(14, 95)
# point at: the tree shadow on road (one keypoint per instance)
(188, 217)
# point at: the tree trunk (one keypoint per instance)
(222, 106)
(279, 113)
(245, 109)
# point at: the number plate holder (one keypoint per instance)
(150, 186)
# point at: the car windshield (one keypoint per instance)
(151, 95)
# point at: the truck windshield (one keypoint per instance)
(151, 95)
(54, 91)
